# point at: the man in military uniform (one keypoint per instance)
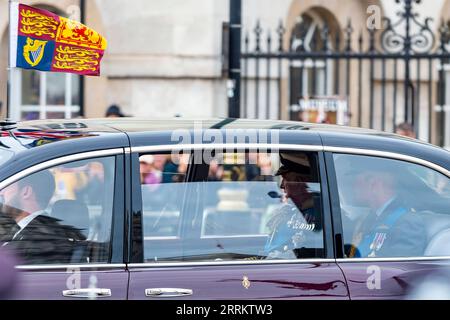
(392, 228)
(296, 218)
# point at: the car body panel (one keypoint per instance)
(272, 281)
(50, 284)
(390, 279)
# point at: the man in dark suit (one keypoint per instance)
(32, 234)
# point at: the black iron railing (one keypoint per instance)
(387, 76)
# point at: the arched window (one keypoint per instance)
(307, 36)
(46, 95)
(311, 77)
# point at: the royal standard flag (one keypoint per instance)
(44, 41)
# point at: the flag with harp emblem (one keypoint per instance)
(44, 41)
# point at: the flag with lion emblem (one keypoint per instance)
(44, 41)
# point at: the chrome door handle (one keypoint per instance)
(87, 293)
(167, 292)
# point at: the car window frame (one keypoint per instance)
(196, 173)
(117, 244)
(335, 201)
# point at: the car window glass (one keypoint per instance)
(392, 208)
(60, 215)
(162, 194)
(251, 206)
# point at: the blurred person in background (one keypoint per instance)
(215, 171)
(265, 166)
(148, 173)
(405, 129)
(169, 171)
(92, 184)
(252, 170)
(159, 164)
(182, 160)
(114, 111)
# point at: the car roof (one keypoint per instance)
(42, 139)
(162, 124)
(138, 125)
(144, 132)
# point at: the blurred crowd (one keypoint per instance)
(157, 169)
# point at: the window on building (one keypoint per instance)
(46, 95)
(311, 78)
(308, 74)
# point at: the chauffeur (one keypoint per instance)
(33, 235)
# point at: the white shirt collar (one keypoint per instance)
(25, 221)
(383, 207)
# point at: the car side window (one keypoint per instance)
(60, 215)
(392, 208)
(162, 194)
(250, 206)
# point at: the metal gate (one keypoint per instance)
(372, 78)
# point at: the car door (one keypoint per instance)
(73, 246)
(393, 216)
(203, 229)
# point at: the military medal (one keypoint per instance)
(378, 241)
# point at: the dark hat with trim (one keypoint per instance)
(298, 163)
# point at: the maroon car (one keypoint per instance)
(220, 209)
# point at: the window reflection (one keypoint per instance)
(61, 215)
(249, 206)
(392, 208)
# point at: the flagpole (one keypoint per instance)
(8, 84)
(9, 107)
(10, 101)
